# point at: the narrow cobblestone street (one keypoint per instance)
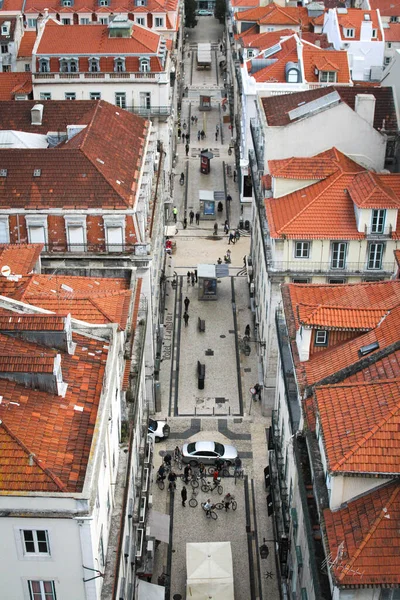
(223, 411)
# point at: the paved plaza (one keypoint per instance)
(223, 411)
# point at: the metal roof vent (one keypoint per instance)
(37, 114)
(364, 350)
(367, 17)
(37, 172)
(3, 172)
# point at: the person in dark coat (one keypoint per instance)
(195, 275)
(197, 218)
(186, 302)
(186, 318)
(184, 495)
(192, 277)
(191, 216)
(187, 149)
(184, 223)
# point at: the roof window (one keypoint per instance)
(37, 172)
(367, 17)
(3, 172)
(364, 350)
(5, 28)
(349, 32)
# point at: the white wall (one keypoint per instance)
(339, 127)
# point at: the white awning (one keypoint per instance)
(150, 591)
(159, 526)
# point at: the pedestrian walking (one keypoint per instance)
(229, 198)
(186, 302)
(216, 136)
(184, 223)
(179, 133)
(203, 134)
(187, 149)
(247, 331)
(187, 472)
(192, 119)
(188, 276)
(184, 125)
(217, 128)
(237, 235)
(172, 481)
(191, 217)
(188, 137)
(197, 218)
(192, 277)
(226, 226)
(184, 495)
(231, 238)
(186, 318)
(175, 213)
(196, 119)
(198, 135)
(195, 275)
(234, 175)
(183, 138)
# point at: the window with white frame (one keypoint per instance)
(339, 252)
(144, 66)
(120, 99)
(44, 65)
(84, 21)
(37, 229)
(95, 95)
(104, 20)
(67, 2)
(31, 23)
(35, 541)
(66, 21)
(73, 65)
(64, 65)
(41, 590)
(349, 32)
(94, 65)
(302, 250)
(159, 22)
(327, 76)
(114, 233)
(70, 96)
(4, 230)
(103, 2)
(27, 68)
(375, 255)
(378, 219)
(119, 64)
(140, 21)
(145, 100)
(45, 95)
(321, 337)
(75, 226)
(4, 48)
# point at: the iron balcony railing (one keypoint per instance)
(258, 143)
(101, 248)
(305, 266)
(289, 380)
(151, 111)
(160, 77)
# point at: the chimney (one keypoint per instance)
(39, 372)
(37, 114)
(365, 107)
(303, 342)
(53, 331)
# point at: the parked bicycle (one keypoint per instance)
(193, 501)
(229, 502)
(208, 486)
(208, 508)
(223, 470)
(178, 457)
(238, 474)
(160, 481)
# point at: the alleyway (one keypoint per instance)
(223, 410)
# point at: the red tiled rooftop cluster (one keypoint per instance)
(21, 258)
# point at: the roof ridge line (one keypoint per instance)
(311, 202)
(103, 312)
(367, 537)
(360, 443)
(47, 471)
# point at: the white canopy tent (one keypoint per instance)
(209, 571)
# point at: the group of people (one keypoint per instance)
(201, 135)
(234, 236)
(191, 278)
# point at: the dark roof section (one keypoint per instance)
(277, 107)
(57, 114)
(10, 37)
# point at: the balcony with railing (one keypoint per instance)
(289, 380)
(85, 249)
(150, 111)
(100, 77)
(258, 143)
(378, 233)
(279, 488)
(345, 270)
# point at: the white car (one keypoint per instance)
(158, 430)
(207, 453)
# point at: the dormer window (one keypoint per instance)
(159, 22)
(144, 65)
(66, 2)
(140, 2)
(327, 76)
(119, 65)
(94, 65)
(73, 66)
(44, 65)
(140, 21)
(69, 65)
(5, 28)
(321, 338)
(378, 221)
(349, 32)
(104, 3)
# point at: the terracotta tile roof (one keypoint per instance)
(246, 3)
(275, 73)
(27, 43)
(340, 317)
(387, 367)
(252, 39)
(92, 6)
(79, 39)
(273, 14)
(101, 157)
(325, 210)
(266, 182)
(28, 363)
(367, 191)
(353, 19)
(14, 83)
(387, 8)
(125, 379)
(57, 114)
(21, 258)
(31, 322)
(12, 6)
(45, 442)
(392, 33)
(325, 60)
(397, 256)
(276, 108)
(317, 39)
(360, 425)
(363, 536)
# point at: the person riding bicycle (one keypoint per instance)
(172, 481)
(238, 465)
(202, 469)
(208, 506)
(219, 463)
(227, 500)
(177, 453)
(161, 473)
(167, 459)
(187, 472)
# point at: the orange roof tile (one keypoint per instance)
(387, 8)
(360, 426)
(21, 258)
(315, 167)
(340, 317)
(363, 538)
(44, 442)
(80, 39)
(14, 83)
(10, 321)
(27, 43)
(246, 3)
(325, 60)
(252, 39)
(273, 14)
(367, 191)
(28, 363)
(353, 19)
(392, 33)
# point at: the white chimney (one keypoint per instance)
(365, 107)
(303, 341)
(366, 30)
(37, 114)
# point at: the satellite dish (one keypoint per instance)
(5, 270)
